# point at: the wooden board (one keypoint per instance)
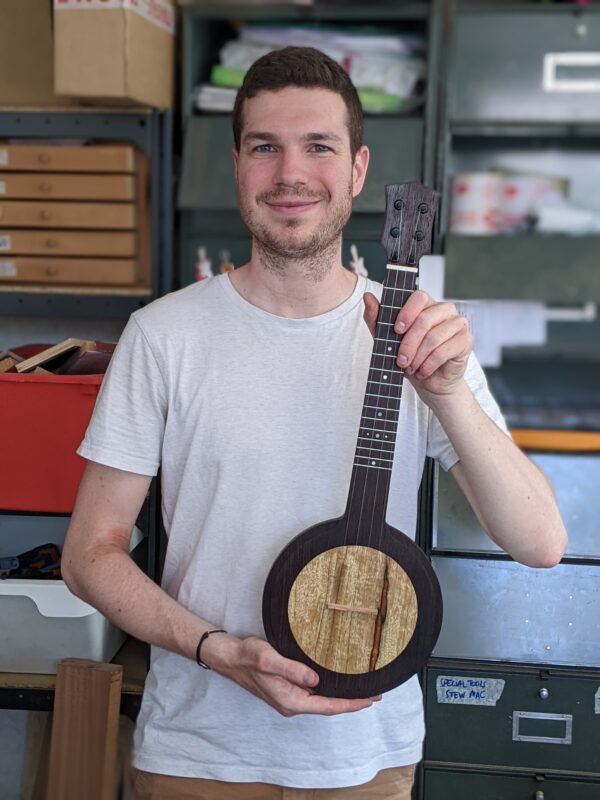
(56, 158)
(85, 725)
(87, 271)
(557, 440)
(67, 187)
(24, 214)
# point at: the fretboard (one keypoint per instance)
(381, 408)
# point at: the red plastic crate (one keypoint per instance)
(44, 418)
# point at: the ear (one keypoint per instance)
(359, 169)
(235, 156)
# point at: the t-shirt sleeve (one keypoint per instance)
(127, 426)
(438, 444)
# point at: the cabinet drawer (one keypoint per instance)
(67, 215)
(93, 158)
(66, 243)
(525, 67)
(446, 785)
(79, 271)
(541, 721)
(67, 187)
(503, 611)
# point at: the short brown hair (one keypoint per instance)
(305, 67)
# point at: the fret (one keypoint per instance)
(383, 396)
(375, 450)
(382, 410)
(373, 461)
(401, 268)
(387, 369)
(376, 435)
(369, 466)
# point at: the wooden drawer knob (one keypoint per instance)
(44, 158)
(45, 187)
(51, 244)
(45, 214)
(51, 271)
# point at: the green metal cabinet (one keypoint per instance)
(446, 785)
(539, 720)
(526, 65)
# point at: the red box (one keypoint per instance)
(44, 418)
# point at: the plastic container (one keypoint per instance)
(44, 418)
(42, 621)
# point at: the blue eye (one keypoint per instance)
(263, 148)
(320, 148)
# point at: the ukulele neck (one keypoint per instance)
(381, 409)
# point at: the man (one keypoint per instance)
(247, 390)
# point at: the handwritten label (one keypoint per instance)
(3, 158)
(469, 691)
(5, 243)
(597, 702)
(8, 269)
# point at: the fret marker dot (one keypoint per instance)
(385, 377)
(373, 463)
(379, 414)
(377, 436)
(385, 437)
(389, 349)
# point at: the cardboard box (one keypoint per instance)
(26, 56)
(115, 51)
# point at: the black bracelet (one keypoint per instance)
(204, 636)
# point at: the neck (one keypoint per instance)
(294, 287)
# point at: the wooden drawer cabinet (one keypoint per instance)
(37, 214)
(447, 785)
(74, 216)
(92, 158)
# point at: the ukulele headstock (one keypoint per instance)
(410, 210)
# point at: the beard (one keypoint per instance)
(316, 250)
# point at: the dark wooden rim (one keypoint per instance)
(414, 562)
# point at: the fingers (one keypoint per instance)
(371, 311)
(287, 685)
(435, 334)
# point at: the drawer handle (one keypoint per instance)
(567, 719)
(51, 272)
(45, 215)
(44, 158)
(45, 187)
(571, 72)
(51, 244)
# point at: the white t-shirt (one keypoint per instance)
(254, 419)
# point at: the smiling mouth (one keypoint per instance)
(292, 206)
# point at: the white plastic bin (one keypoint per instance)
(41, 621)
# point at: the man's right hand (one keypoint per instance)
(286, 685)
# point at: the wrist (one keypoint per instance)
(448, 404)
(217, 650)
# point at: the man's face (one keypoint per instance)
(295, 174)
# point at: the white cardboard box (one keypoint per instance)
(41, 621)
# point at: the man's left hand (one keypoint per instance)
(435, 346)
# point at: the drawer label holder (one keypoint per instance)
(519, 716)
(469, 691)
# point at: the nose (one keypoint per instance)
(291, 169)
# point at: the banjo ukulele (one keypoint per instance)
(354, 598)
